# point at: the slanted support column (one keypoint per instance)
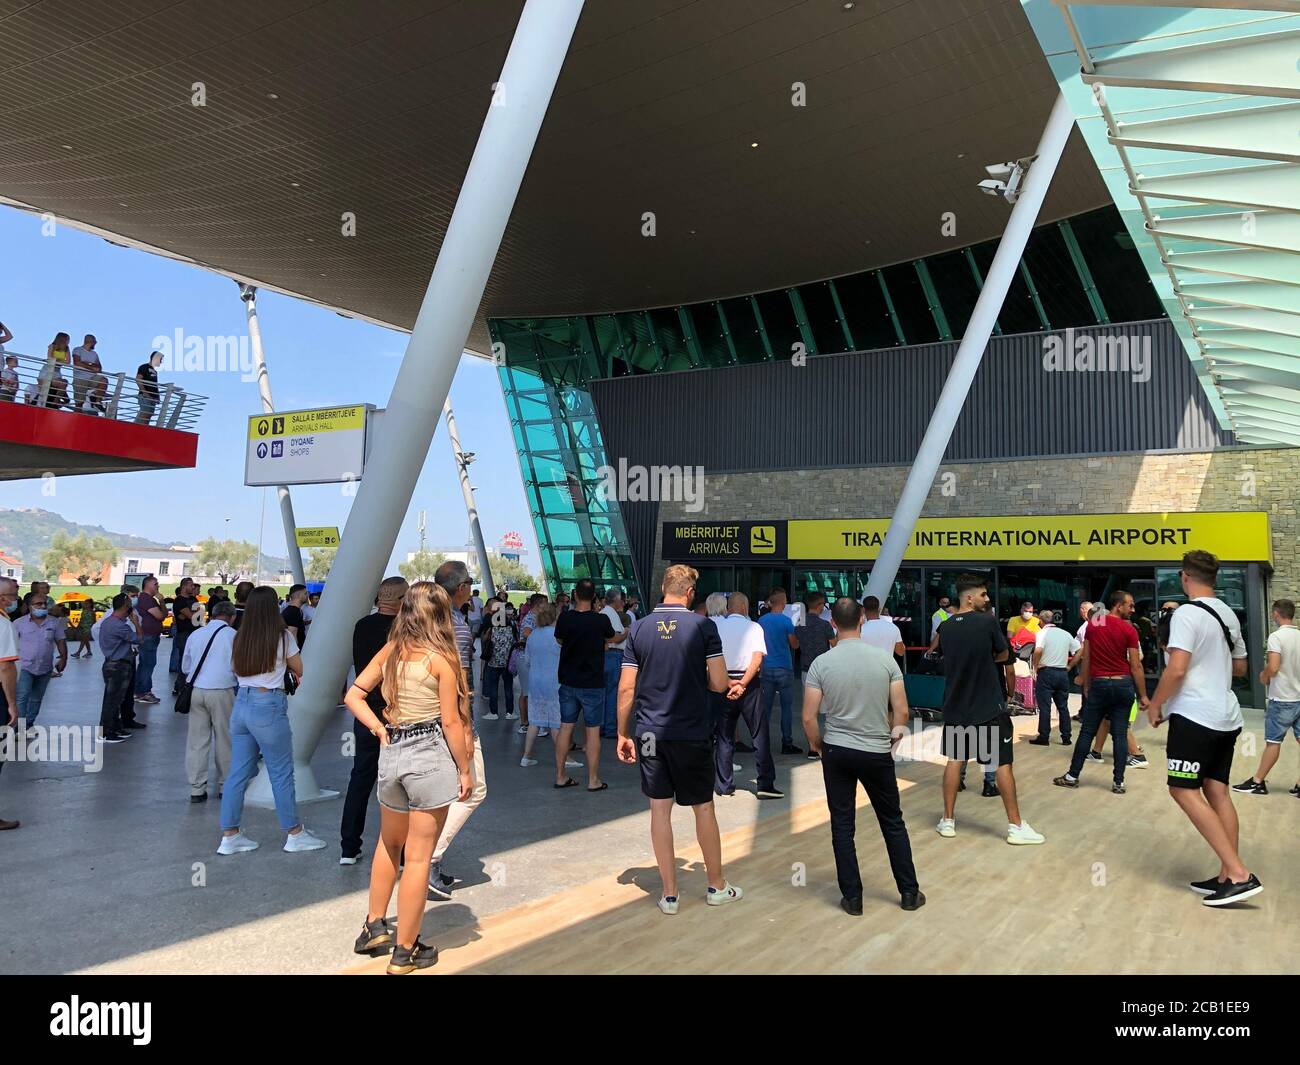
(487, 196)
(971, 350)
(467, 490)
(248, 294)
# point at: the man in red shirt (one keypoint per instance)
(1111, 667)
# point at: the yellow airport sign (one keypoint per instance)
(1157, 537)
(325, 536)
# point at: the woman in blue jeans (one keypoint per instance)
(264, 649)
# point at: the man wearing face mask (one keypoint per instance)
(38, 636)
(8, 664)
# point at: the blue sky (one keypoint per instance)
(78, 284)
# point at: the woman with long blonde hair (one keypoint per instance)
(425, 754)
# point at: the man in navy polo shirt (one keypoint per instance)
(672, 660)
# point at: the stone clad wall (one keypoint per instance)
(1228, 479)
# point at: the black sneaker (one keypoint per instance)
(771, 793)
(116, 737)
(790, 748)
(1230, 892)
(1067, 741)
(913, 900)
(201, 797)
(1041, 741)
(437, 889)
(743, 748)
(1206, 887)
(853, 906)
(1093, 756)
(135, 725)
(961, 785)
(376, 937)
(1251, 786)
(990, 790)
(1295, 791)
(813, 755)
(407, 960)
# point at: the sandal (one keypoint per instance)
(603, 785)
(569, 782)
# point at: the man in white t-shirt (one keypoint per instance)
(1281, 673)
(1055, 651)
(879, 631)
(1205, 652)
(614, 610)
(743, 649)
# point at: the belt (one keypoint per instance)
(1112, 676)
(1062, 668)
(408, 731)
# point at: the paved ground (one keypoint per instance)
(118, 872)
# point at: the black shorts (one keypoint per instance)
(676, 769)
(1197, 754)
(991, 743)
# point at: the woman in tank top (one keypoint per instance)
(426, 750)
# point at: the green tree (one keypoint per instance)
(83, 556)
(319, 564)
(507, 573)
(422, 566)
(227, 559)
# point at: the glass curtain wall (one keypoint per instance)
(1080, 271)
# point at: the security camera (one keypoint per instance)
(992, 188)
(1005, 179)
(247, 293)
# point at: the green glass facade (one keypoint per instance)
(1077, 272)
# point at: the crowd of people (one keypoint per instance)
(670, 690)
(88, 392)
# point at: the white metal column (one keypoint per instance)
(248, 294)
(467, 489)
(971, 350)
(487, 196)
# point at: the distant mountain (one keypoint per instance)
(26, 534)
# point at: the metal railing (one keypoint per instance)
(44, 383)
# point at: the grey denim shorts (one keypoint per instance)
(417, 771)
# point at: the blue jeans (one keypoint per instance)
(31, 690)
(1053, 686)
(145, 664)
(613, 671)
(174, 665)
(772, 680)
(1108, 697)
(492, 676)
(587, 703)
(260, 722)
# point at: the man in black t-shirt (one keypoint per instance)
(975, 719)
(369, 635)
(146, 381)
(292, 614)
(672, 660)
(182, 622)
(581, 634)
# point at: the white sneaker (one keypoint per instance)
(522, 730)
(543, 732)
(1023, 835)
(348, 859)
(524, 763)
(728, 894)
(569, 763)
(668, 904)
(947, 827)
(236, 843)
(303, 841)
(510, 715)
(736, 767)
(491, 717)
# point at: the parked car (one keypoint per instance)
(76, 602)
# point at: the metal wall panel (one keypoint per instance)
(871, 408)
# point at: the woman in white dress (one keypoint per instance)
(543, 656)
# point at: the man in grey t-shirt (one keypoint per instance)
(860, 690)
